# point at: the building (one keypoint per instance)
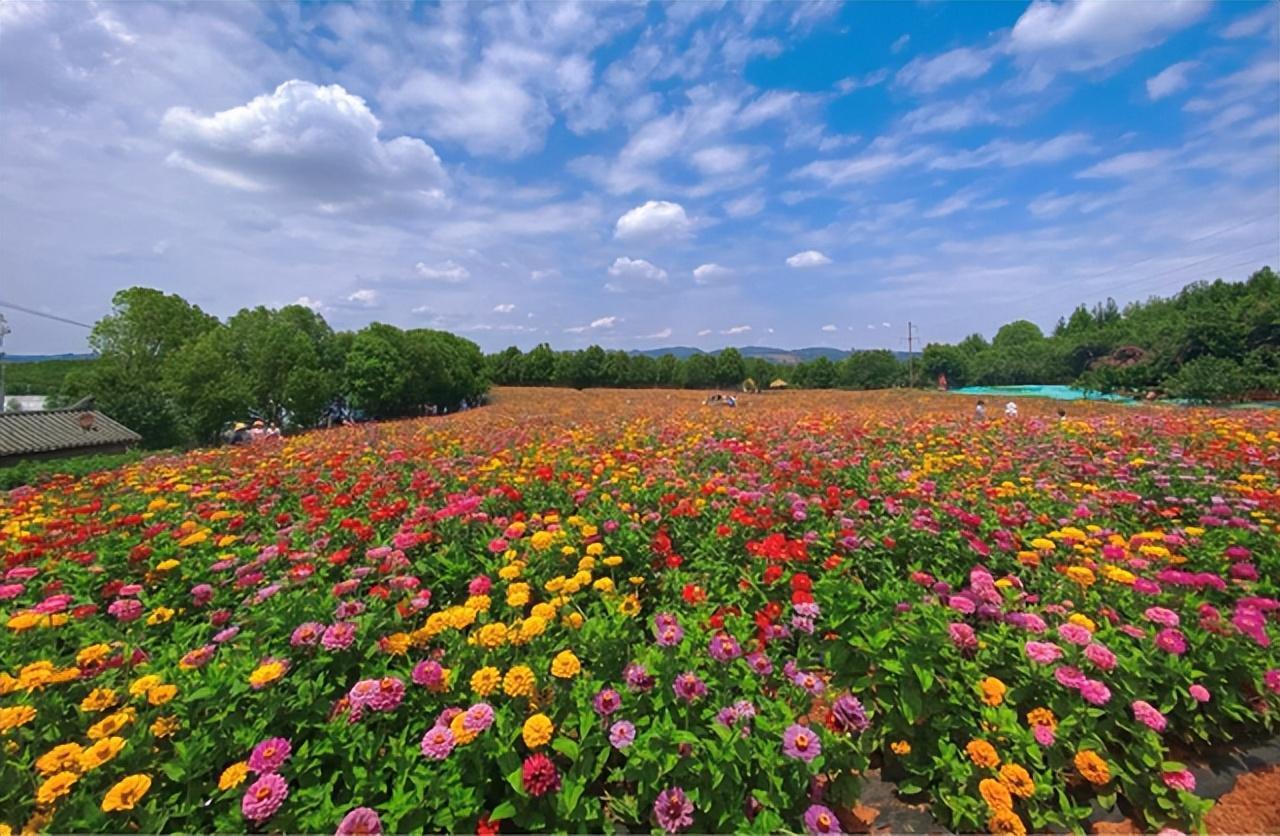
(78, 430)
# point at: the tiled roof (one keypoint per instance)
(59, 429)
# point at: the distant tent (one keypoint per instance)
(749, 385)
(778, 383)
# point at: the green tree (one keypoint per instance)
(877, 369)
(698, 372)
(948, 360)
(730, 368)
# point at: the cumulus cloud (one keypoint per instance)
(707, 273)
(449, 271)
(1169, 80)
(504, 308)
(637, 268)
(604, 322)
(1080, 35)
(364, 297)
(313, 143)
(808, 258)
(652, 219)
(307, 302)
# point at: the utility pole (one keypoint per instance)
(4, 329)
(911, 356)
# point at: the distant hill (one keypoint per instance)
(785, 356)
(37, 358)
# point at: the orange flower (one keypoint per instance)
(126, 793)
(992, 691)
(1017, 780)
(995, 794)
(982, 753)
(1042, 717)
(1006, 821)
(900, 748)
(1092, 767)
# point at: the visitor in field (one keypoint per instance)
(1011, 410)
(1062, 414)
(980, 411)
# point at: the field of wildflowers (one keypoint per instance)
(604, 610)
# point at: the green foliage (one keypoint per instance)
(41, 377)
(878, 369)
(37, 471)
(1209, 379)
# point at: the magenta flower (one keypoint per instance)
(362, 693)
(361, 821)
(673, 810)
(1095, 692)
(689, 687)
(1172, 641)
(607, 701)
(270, 755)
(437, 743)
(724, 648)
(963, 637)
(1100, 656)
(480, 585)
(1160, 615)
(1181, 780)
(1148, 715)
(666, 630)
(637, 678)
(1042, 653)
(539, 775)
(264, 797)
(338, 636)
(820, 819)
(622, 734)
(1199, 693)
(1075, 634)
(429, 674)
(1272, 680)
(478, 717)
(389, 693)
(1044, 735)
(1069, 677)
(307, 635)
(125, 609)
(801, 743)
(760, 663)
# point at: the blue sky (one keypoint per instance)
(635, 175)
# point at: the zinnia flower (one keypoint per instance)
(1181, 780)
(264, 797)
(982, 754)
(848, 715)
(537, 731)
(622, 734)
(1093, 768)
(606, 702)
(1017, 780)
(565, 665)
(126, 793)
(270, 755)
(437, 743)
(1171, 641)
(539, 775)
(801, 742)
(993, 691)
(1199, 693)
(1042, 653)
(1095, 692)
(995, 794)
(1148, 715)
(673, 810)
(689, 687)
(362, 821)
(820, 819)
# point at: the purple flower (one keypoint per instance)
(689, 687)
(1042, 653)
(607, 701)
(637, 678)
(801, 743)
(738, 714)
(673, 810)
(622, 734)
(264, 797)
(308, 635)
(1095, 692)
(358, 822)
(338, 636)
(819, 819)
(760, 663)
(724, 648)
(849, 715)
(1145, 713)
(809, 681)
(438, 742)
(269, 755)
(666, 630)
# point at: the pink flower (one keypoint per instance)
(1147, 714)
(1043, 653)
(338, 636)
(438, 742)
(1272, 680)
(1095, 692)
(1161, 616)
(270, 755)
(1181, 780)
(429, 674)
(1044, 735)
(125, 609)
(1171, 641)
(1069, 677)
(478, 717)
(1100, 656)
(1199, 692)
(388, 695)
(361, 821)
(264, 797)
(480, 585)
(1074, 633)
(307, 634)
(10, 590)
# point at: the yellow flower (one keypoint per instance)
(166, 565)
(543, 610)
(992, 691)
(1081, 620)
(982, 753)
(1017, 780)
(161, 694)
(159, 616)
(8, 684)
(54, 787)
(396, 644)
(99, 699)
(1041, 544)
(541, 540)
(900, 747)
(995, 794)
(565, 665)
(511, 571)
(530, 629)
(233, 776)
(266, 674)
(630, 606)
(165, 726)
(93, 653)
(144, 684)
(479, 603)
(126, 793)
(519, 682)
(1006, 822)
(112, 723)
(492, 635)
(603, 585)
(1093, 768)
(18, 715)
(612, 560)
(486, 680)
(35, 675)
(24, 621)
(461, 733)
(1081, 575)
(537, 731)
(573, 620)
(517, 595)
(65, 757)
(100, 752)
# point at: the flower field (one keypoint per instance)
(592, 611)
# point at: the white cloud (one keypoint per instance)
(808, 258)
(924, 75)
(652, 219)
(315, 144)
(637, 268)
(1080, 35)
(1249, 25)
(719, 160)
(900, 44)
(364, 297)
(307, 302)
(449, 271)
(707, 273)
(737, 329)
(604, 322)
(539, 275)
(504, 308)
(704, 332)
(830, 328)
(1007, 154)
(745, 206)
(885, 324)
(774, 104)
(942, 116)
(1169, 80)
(1123, 165)
(860, 82)
(658, 335)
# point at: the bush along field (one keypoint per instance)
(597, 612)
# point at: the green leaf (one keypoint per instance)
(566, 747)
(505, 810)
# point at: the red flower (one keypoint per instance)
(485, 827)
(772, 574)
(539, 775)
(693, 594)
(800, 582)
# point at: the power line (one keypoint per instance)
(44, 315)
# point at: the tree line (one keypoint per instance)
(1212, 341)
(178, 375)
